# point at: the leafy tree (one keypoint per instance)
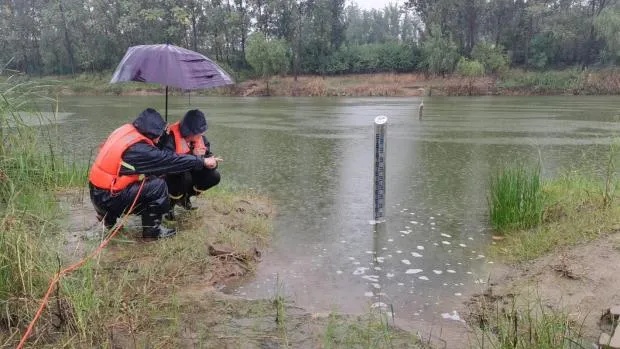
(267, 56)
(470, 70)
(492, 57)
(607, 27)
(439, 52)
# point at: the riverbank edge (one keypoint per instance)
(512, 83)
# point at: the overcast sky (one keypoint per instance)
(378, 4)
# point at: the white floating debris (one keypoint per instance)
(454, 316)
(468, 273)
(470, 238)
(421, 248)
(377, 268)
(462, 245)
(351, 258)
(338, 272)
(423, 278)
(432, 217)
(389, 275)
(373, 278)
(368, 294)
(343, 242)
(384, 249)
(369, 252)
(376, 285)
(390, 240)
(413, 271)
(356, 263)
(458, 294)
(379, 305)
(432, 223)
(415, 254)
(446, 235)
(450, 271)
(399, 251)
(446, 242)
(400, 284)
(380, 259)
(436, 244)
(406, 261)
(438, 272)
(480, 256)
(413, 222)
(360, 271)
(480, 281)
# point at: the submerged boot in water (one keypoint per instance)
(152, 228)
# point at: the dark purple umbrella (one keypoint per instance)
(170, 65)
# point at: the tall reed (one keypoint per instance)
(30, 171)
(516, 200)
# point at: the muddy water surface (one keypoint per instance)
(314, 158)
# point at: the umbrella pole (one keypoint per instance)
(166, 103)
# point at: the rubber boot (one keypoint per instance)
(186, 203)
(170, 215)
(152, 228)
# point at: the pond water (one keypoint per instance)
(314, 158)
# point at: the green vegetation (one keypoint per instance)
(575, 211)
(370, 331)
(267, 57)
(30, 172)
(538, 217)
(319, 37)
(516, 199)
(523, 323)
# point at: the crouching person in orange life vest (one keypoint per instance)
(126, 157)
(187, 137)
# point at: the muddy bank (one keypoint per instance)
(513, 83)
(164, 294)
(580, 281)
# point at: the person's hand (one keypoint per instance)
(211, 162)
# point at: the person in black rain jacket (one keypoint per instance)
(127, 157)
(186, 137)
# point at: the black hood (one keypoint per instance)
(150, 123)
(193, 123)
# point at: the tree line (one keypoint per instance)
(43, 37)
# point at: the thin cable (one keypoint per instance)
(73, 267)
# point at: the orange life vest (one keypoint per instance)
(105, 172)
(180, 143)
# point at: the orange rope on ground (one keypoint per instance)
(73, 267)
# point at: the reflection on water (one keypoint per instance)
(314, 158)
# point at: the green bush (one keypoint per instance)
(469, 68)
(493, 58)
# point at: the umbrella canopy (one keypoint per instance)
(170, 65)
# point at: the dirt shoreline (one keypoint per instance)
(581, 281)
(369, 85)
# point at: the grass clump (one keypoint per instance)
(369, 331)
(577, 209)
(522, 323)
(516, 198)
